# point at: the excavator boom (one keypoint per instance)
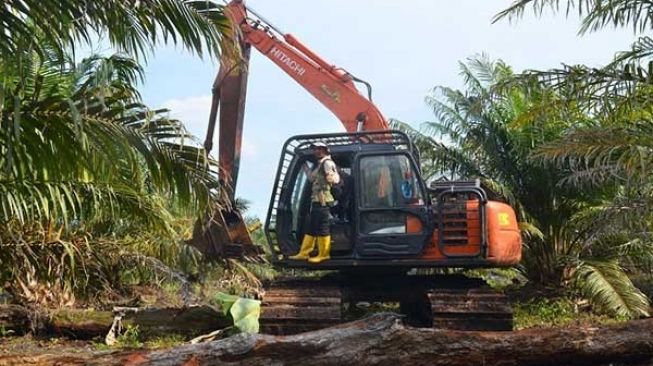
(332, 86)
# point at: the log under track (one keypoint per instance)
(383, 340)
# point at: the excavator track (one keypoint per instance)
(453, 302)
(470, 309)
(299, 305)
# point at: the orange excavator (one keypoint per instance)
(393, 235)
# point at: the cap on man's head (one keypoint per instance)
(320, 144)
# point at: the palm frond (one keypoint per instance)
(518, 8)
(621, 84)
(132, 26)
(531, 230)
(621, 152)
(595, 14)
(608, 287)
(83, 126)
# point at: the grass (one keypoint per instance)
(165, 342)
(131, 339)
(560, 312)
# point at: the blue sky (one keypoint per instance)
(403, 49)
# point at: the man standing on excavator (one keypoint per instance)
(323, 177)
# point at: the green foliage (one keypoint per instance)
(499, 278)
(105, 155)
(255, 227)
(544, 313)
(623, 85)
(595, 14)
(165, 342)
(556, 312)
(496, 130)
(610, 289)
(4, 332)
(107, 166)
(244, 312)
(613, 152)
(130, 338)
(490, 135)
(92, 181)
(131, 26)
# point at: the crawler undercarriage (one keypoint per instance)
(454, 302)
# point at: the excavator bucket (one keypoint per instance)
(224, 234)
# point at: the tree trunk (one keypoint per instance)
(382, 340)
(87, 324)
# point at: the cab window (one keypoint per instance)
(388, 182)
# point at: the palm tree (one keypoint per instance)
(79, 152)
(93, 109)
(491, 133)
(82, 160)
(616, 149)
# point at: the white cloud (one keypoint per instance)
(194, 113)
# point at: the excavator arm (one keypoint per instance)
(332, 86)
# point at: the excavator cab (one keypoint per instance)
(381, 212)
(388, 217)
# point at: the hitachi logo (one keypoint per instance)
(292, 64)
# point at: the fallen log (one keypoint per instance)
(15, 319)
(88, 324)
(382, 340)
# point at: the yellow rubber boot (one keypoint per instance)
(307, 247)
(324, 249)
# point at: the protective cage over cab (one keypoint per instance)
(385, 215)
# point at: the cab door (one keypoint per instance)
(391, 209)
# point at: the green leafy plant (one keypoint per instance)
(92, 181)
(132, 26)
(108, 168)
(244, 312)
(544, 312)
